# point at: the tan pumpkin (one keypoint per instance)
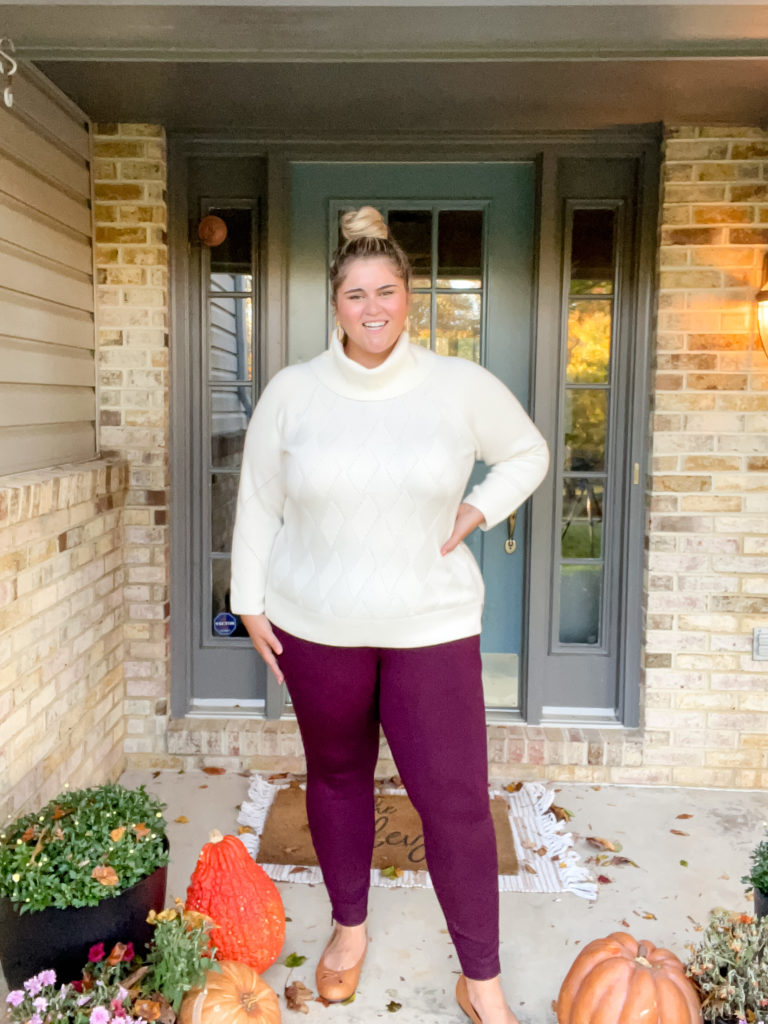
(618, 980)
(235, 995)
(229, 886)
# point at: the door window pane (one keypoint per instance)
(231, 331)
(230, 413)
(581, 532)
(412, 230)
(223, 623)
(580, 600)
(223, 504)
(589, 341)
(460, 249)
(592, 252)
(233, 256)
(458, 326)
(584, 434)
(420, 319)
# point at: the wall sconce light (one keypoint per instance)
(762, 306)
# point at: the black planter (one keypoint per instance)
(761, 902)
(61, 938)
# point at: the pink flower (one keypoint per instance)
(15, 998)
(47, 977)
(33, 985)
(40, 1003)
(129, 953)
(96, 953)
(99, 1015)
(35, 1019)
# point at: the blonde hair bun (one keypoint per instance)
(366, 222)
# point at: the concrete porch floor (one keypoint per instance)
(411, 959)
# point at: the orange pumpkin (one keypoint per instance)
(229, 886)
(618, 980)
(235, 995)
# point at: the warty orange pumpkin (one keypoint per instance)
(234, 995)
(229, 886)
(618, 980)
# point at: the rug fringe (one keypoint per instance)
(534, 826)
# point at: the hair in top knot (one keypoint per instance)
(366, 236)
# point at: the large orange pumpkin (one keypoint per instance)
(234, 995)
(229, 886)
(618, 980)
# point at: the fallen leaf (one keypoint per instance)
(29, 833)
(561, 813)
(684, 815)
(349, 999)
(677, 832)
(182, 819)
(618, 861)
(683, 863)
(603, 844)
(726, 878)
(597, 788)
(393, 1007)
(542, 851)
(149, 1009)
(213, 770)
(156, 774)
(277, 776)
(513, 787)
(392, 871)
(141, 830)
(60, 812)
(296, 996)
(105, 875)
(645, 914)
(625, 922)
(204, 786)
(295, 871)
(294, 960)
(530, 869)
(323, 1001)
(117, 834)
(243, 829)
(604, 879)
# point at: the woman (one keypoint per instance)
(349, 573)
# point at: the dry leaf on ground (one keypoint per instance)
(677, 832)
(182, 819)
(297, 995)
(684, 815)
(603, 844)
(561, 813)
(212, 769)
(105, 875)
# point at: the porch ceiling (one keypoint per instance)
(368, 99)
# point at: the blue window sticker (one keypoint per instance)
(224, 624)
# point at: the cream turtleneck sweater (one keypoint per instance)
(349, 487)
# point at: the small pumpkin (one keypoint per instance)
(234, 995)
(229, 886)
(617, 980)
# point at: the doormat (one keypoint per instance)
(534, 854)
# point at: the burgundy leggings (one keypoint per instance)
(429, 702)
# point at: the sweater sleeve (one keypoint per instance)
(260, 499)
(508, 441)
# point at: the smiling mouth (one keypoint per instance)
(375, 324)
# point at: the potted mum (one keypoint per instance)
(757, 878)
(729, 968)
(85, 869)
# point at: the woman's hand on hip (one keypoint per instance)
(467, 518)
(265, 641)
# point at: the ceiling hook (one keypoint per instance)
(8, 68)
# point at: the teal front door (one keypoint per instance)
(469, 231)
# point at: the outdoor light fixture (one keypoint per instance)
(762, 306)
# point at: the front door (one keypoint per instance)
(468, 230)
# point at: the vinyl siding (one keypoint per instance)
(47, 333)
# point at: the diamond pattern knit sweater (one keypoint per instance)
(350, 483)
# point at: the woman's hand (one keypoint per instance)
(467, 518)
(265, 641)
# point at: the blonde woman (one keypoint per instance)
(349, 572)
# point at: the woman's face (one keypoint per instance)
(371, 307)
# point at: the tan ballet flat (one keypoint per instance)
(462, 998)
(336, 986)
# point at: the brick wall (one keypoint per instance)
(706, 711)
(61, 622)
(132, 295)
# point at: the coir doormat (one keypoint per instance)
(399, 843)
(535, 855)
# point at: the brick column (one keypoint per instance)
(706, 711)
(132, 297)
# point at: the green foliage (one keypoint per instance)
(729, 967)
(55, 858)
(758, 875)
(294, 960)
(180, 955)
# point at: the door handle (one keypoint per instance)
(510, 544)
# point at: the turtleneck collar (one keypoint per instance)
(405, 368)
